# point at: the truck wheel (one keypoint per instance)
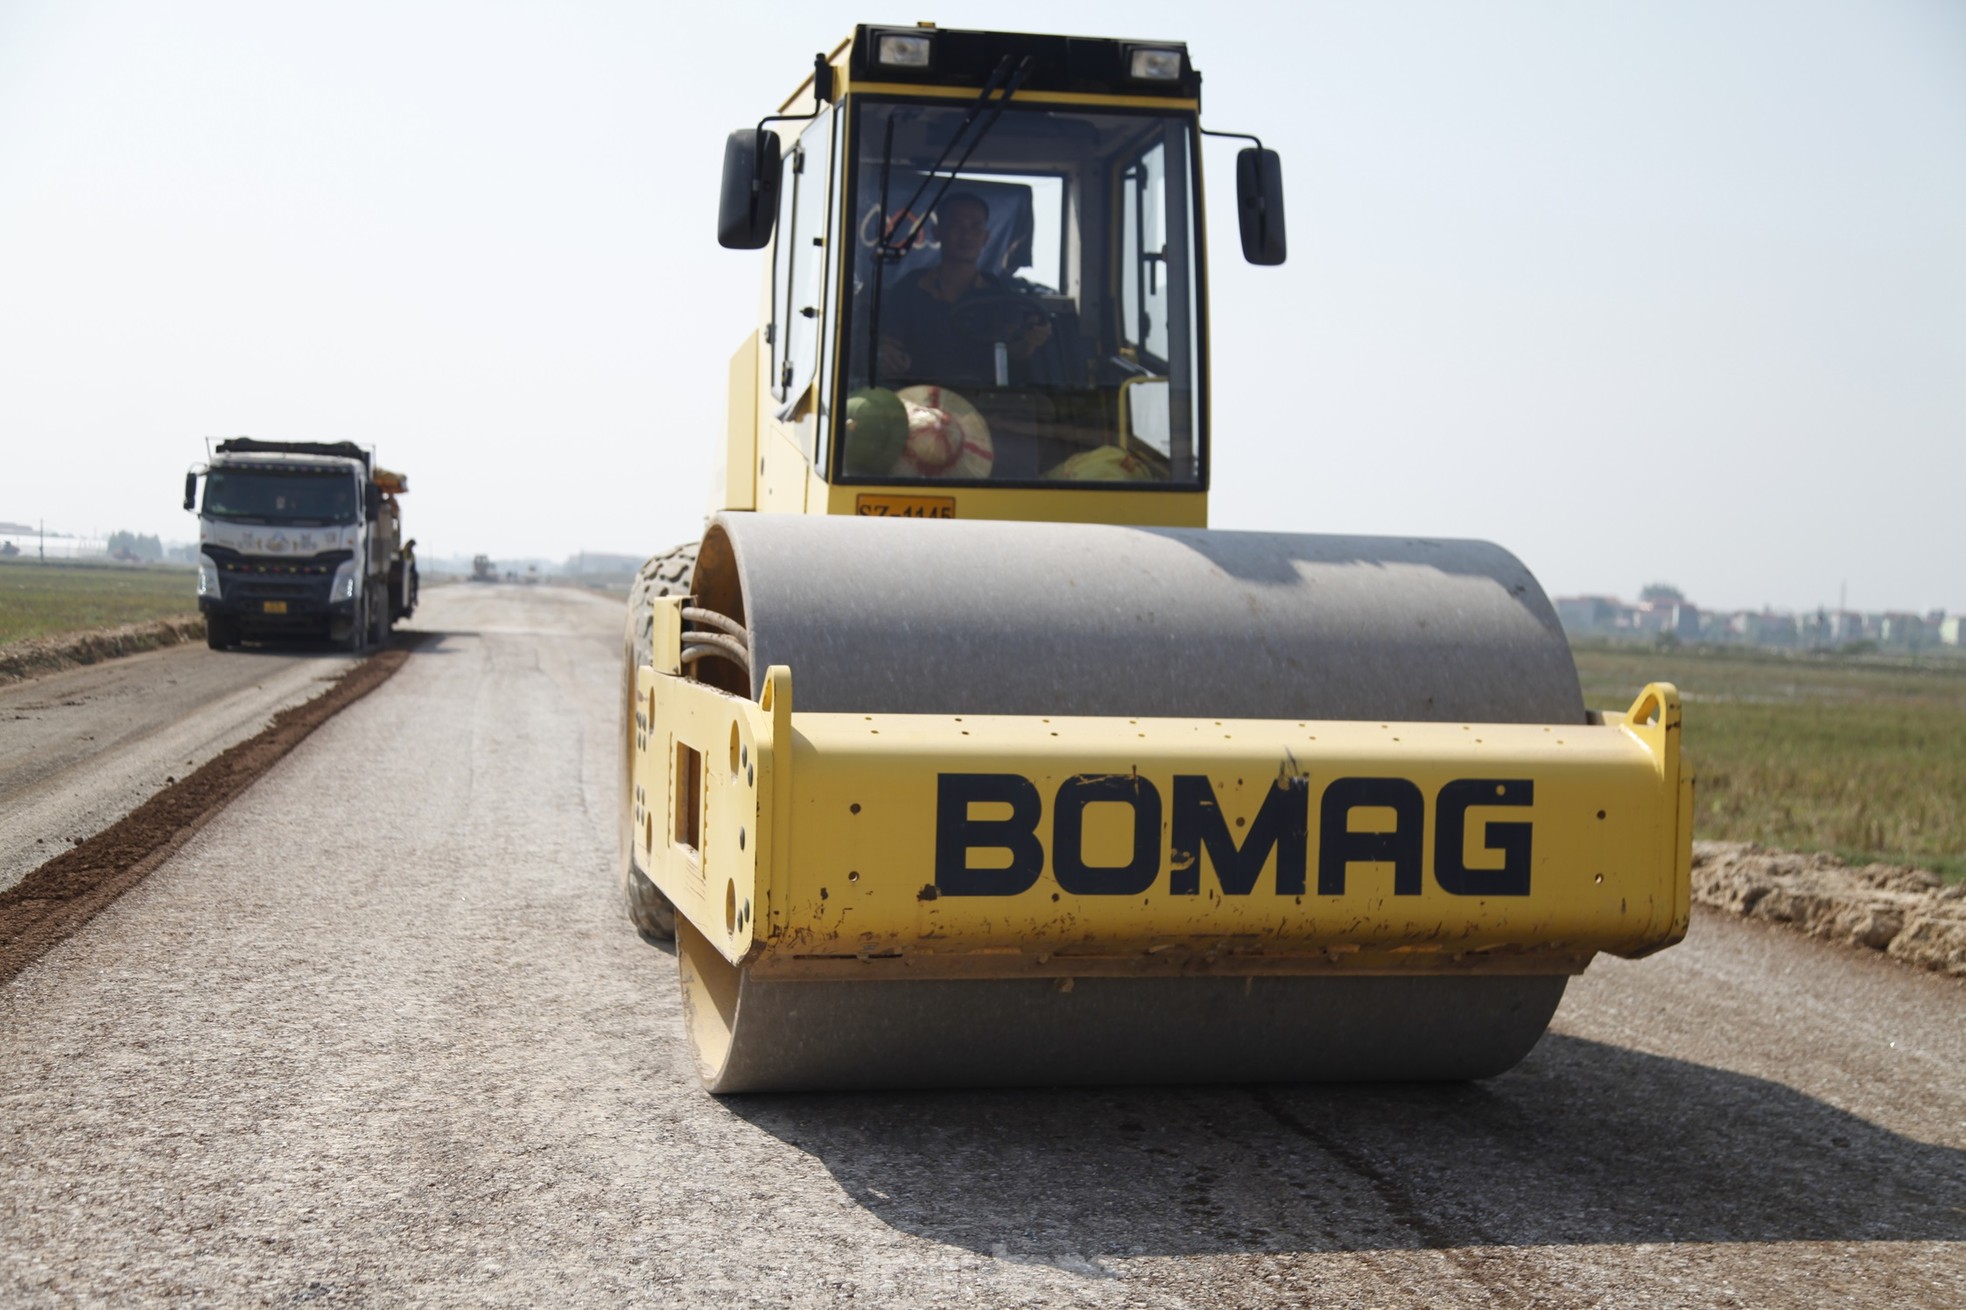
(379, 617)
(221, 631)
(358, 625)
(667, 574)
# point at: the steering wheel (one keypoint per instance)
(998, 316)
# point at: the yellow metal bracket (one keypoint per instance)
(830, 845)
(705, 819)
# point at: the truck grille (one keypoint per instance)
(245, 567)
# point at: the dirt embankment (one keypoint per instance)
(1907, 913)
(38, 655)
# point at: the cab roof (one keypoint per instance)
(1087, 65)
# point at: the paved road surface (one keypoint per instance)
(423, 1060)
(81, 748)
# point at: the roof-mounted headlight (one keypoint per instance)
(902, 50)
(1154, 64)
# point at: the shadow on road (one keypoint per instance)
(1583, 1144)
(298, 644)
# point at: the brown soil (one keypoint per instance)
(69, 890)
(38, 655)
(1907, 913)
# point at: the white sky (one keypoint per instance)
(1671, 291)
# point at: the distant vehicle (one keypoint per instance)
(300, 538)
(482, 570)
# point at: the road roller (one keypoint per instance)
(960, 751)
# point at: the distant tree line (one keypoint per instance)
(130, 545)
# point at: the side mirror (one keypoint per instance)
(190, 490)
(372, 501)
(1259, 204)
(749, 204)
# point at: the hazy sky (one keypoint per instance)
(1662, 291)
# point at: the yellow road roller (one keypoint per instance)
(959, 751)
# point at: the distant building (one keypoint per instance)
(1591, 615)
(1670, 616)
(1901, 631)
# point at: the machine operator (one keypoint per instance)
(946, 323)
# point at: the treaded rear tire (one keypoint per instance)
(667, 574)
(355, 640)
(380, 620)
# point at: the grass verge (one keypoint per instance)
(1861, 756)
(54, 599)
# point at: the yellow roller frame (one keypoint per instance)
(806, 845)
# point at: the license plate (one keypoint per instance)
(906, 507)
(274, 606)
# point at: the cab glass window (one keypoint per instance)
(798, 261)
(1021, 298)
(297, 497)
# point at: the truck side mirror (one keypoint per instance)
(372, 501)
(1259, 204)
(190, 490)
(749, 204)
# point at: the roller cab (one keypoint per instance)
(985, 285)
(972, 757)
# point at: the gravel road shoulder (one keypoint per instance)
(82, 747)
(68, 890)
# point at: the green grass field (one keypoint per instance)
(1862, 756)
(52, 599)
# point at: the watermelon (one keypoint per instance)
(876, 427)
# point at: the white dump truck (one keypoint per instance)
(300, 538)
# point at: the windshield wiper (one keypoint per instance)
(888, 251)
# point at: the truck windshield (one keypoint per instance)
(304, 498)
(1028, 313)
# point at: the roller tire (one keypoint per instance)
(667, 574)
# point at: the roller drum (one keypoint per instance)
(910, 617)
(1051, 619)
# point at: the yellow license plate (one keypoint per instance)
(906, 507)
(274, 606)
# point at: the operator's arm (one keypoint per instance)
(1031, 337)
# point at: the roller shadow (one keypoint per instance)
(1584, 1144)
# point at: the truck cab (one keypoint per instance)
(299, 539)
